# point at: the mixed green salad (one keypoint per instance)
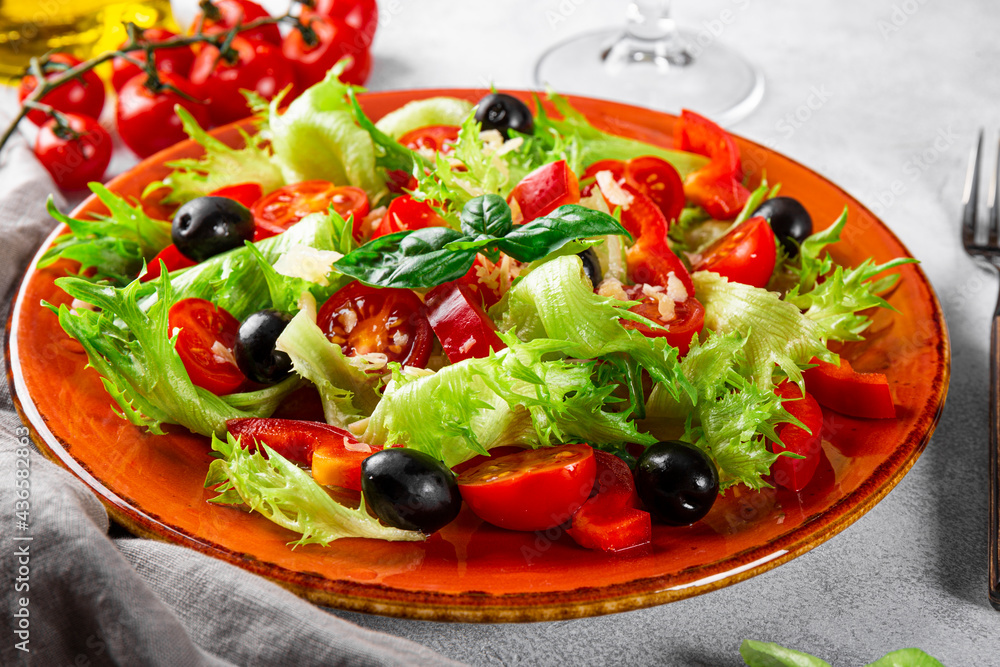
(488, 304)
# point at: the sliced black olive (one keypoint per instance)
(502, 112)
(254, 351)
(790, 221)
(591, 266)
(677, 482)
(410, 490)
(207, 226)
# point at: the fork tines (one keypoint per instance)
(970, 204)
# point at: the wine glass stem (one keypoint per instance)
(650, 20)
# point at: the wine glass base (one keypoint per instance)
(683, 73)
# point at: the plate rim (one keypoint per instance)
(512, 607)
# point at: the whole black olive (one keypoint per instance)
(502, 112)
(254, 350)
(591, 266)
(207, 226)
(790, 221)
(410, 490)
(677, 482)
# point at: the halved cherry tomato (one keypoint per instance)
(176, 60)
(172, 257)
(845, 390)
(745, 255)
(233, 12)
(334, 454)
(652, 262)
(406, 213)
(530, 490)
(364, 319)
(616, 167)
(282, 208)
(259, 67)
(206, 335)
(458, 320)
(790, 473)
(657, 179)
(245, 193)
(688, 320)
(435, 137)
(335, 40)
(546, 189)
(83, 96)
(610, 521)
(717, 186)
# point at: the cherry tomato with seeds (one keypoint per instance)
(282, 208)
(146, 119)
(406, 213)
(175, 60)
(206, 335)
(687, 322)
(389, 321)
(83, 95)
(531, 490)
(657, 179)
(745, 255)
(336, 40)
(440, 138)
(74, 155)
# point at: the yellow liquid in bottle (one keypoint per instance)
(31, 28)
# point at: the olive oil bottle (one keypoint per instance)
(81, 27)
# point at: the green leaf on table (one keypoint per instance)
(769, 654)
(907, 657)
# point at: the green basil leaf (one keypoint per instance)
(486, 216)
(411, 259)
(543, 236)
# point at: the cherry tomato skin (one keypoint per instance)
(176, 60)
(458, 320)
(657, 179)
(390, 321)
(362, 15)
(688, 320)
(83, 96)
(74, 161)
(245, 193)
(849, 392)
(233, 12)
(146, 120)
(336, 40)
(282, 208)
(790, 473)
(531, 490)
(546, 189)
(616, 167)
(202, 325)
(405, 214)
(745, 255)
(260, 67)
(435, 137)
(172, 258)
(652, 262)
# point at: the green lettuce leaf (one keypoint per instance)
(219, 167)
(423, 113)
(288, 496)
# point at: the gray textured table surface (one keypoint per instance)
(900, 86)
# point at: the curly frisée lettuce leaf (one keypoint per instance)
(345, 386)
(317, 138)
(512, 397)
(288, 496)
(115, 244)
(133, 351)
(219, 167)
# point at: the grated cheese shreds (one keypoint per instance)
(348, 319)
(223, 354)
(467, 345)
(595, 202)
(664, 304)
(612, 287)
(612, 191)
(675, 288)
(308, 263)
(372, 221)
(400, 338)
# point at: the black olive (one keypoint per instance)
(207, 226)
(790, 221)
(591, 266)
(254, 351)
(410, 490)
(677, 482)
(502, 112)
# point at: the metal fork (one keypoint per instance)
(990, 251)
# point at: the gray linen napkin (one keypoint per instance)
(91, 600)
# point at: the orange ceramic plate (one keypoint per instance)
(470, 571)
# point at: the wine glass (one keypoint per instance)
(652, 63)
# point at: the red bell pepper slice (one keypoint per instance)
(245, 193)
(610, 521)
(717, 186)
(792, 473)
(334, 454)
(173, 259)
(851, 393)
(545, 189)
(465, 331)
